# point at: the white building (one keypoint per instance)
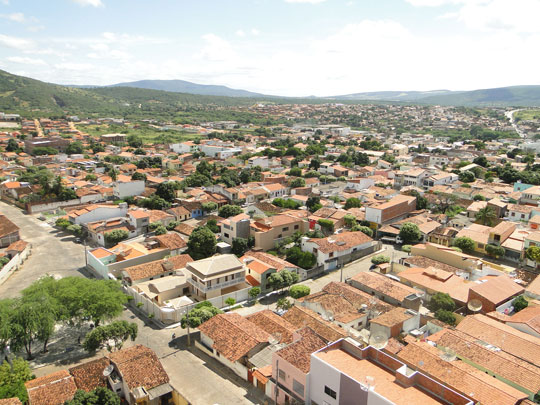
(127, 187)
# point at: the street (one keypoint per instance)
(52, 252)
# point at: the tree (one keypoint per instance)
(138, 176)
(298, 182)
(12, 146)
(239, 246)
(274, 281)
(533, 253)
(213, 226)
(495, 251)
(421, 201)
(443, 301)
(209, 206)
(520, 303)
(481, 161)
(75, 148)
(350, 220)
(364, 229)
(410, 233)
(98, 396)
(62, 223)
(295, 171)
(134, 141)
(486, 216)
(299, 291)
(160, 230)
(466, 176)
(154, 203)
(283, 304)
(406, 248)
(115, 236)
(201, 243)
(227, 211)
(352, 203)
(254, 292)
(230, 301)
(326, 224)
(167, 191)
(445, 316)
(306, 260)
(479, 197)
(111, 336)
(202, 312)
(380, 259)
(465, 243)
(315, 164)
(313, 204)
(12, 379)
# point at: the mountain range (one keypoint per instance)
(23, 94)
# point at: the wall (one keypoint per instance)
(321, 374)
(132, 188)
(236, 367)
(116, 268)
(32, 208)
(291, 373)
(14, 264)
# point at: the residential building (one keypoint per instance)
(93, 213)
(216, 275)
(393, 210)
(52, 389)
(235, 227)
(271, 230)
(9, 232)
(495, 292)
(344, 373)
(124, 186)
(58, 143)
(336, 250)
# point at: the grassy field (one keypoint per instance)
(528, 115)
(149, 135)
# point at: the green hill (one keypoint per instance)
(518, 96)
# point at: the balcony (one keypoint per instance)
(215, 286)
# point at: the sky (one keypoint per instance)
(278, 47)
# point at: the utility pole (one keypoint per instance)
(188, 335)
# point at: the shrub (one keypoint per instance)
(442, 301)
(299, 291)
(364, 229)
(230, 301)
(283, 304)
(306, 260)
(406, 248)
(520, 303)
(160, 230)
(115, 236)
(326, 224)
(410, 233)
(62, 223)
(380, 259)
(464, 243)
(495, 251)
(445, 316)
(352, 203)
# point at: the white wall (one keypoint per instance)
(130, 189)
(322, 374)
(102, 213)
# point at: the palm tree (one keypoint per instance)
(486, 216)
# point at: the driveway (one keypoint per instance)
(53, 252)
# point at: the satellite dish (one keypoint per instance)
(330, 315)
(378, 340)
(447, 354)
(474, 305)
(108, 370)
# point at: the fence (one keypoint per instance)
(14, 264)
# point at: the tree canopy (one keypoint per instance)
(98, 396)
(228, 210)
(111, 336)
(410, 233)
(202, 312)
(201, 243)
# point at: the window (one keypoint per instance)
(330, 392)
(285, 229)
(226, 235)
(331, 254)
(282, 375)
(296, 226)
(298, 387)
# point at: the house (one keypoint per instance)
(393, 210)
(527, 320)
(344, 305)
(387, 290)
(232, 340)
(171, 241)
(89, 376)
(276, 190)
(394, 322)
(495, 292)
(52, 389)
(517, 212)
(259, 266)
(345, 373)
(273, 324)
(479, 234)
(302, 317)
(530, 196)
(124, 186)
(413, 177)
(458, 376)
(98, 230)
(441, 178)
(138, 376)
(235, 227)
(139, 219)
(271, 230)
(180, 213)
(336, 250)
(9, 232)
(216, 275)
(291, 367)
(155, 270)
(95, 213)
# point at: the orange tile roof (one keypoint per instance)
(52, 389)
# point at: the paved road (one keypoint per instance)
(52, 252)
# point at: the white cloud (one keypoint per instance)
(255, 31)
(216, 49)
(305, 1)
(15, 42)
(36, 28)
(26, 60)
(4, 2)
(78, 67)
(240, 33)
(17, 17)
(93, 3)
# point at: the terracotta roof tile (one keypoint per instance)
(272, 323)
(88, 376)
(299, 353)
(52, 389)
(301, 317)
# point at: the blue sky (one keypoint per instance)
(283, 47)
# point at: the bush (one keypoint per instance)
(406, 248)
(62, 223)
(299, 291)
(115, 236)
(520, 303)
(306, 260)
(353, 203)
(230, 301)
(442, 301)
(410, 233)
(229, 211)
(160, 230)
(495, 251)
(326, 224)
(380, 259)
(286, 203)
(364, 229)
(254, 292)
(464, 243)
(74, 229)
(445, 316)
